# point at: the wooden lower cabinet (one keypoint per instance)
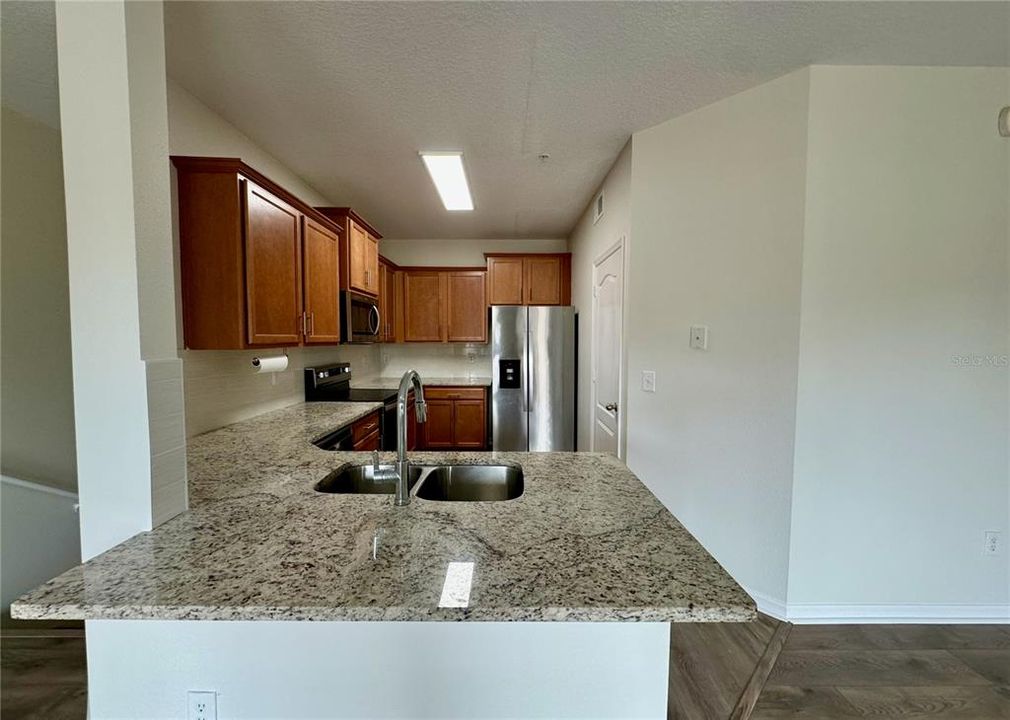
(439, 426)
(366, 434)
(469, 424)
(457, 418)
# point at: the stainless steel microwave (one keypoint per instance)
(359, 318)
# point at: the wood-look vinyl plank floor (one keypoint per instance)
(908, 703)
(43, 676)
(710, 664)
(899, 668)
(993, 665)
(948, 703)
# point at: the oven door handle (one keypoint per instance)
(373, 312)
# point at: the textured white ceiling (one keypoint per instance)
(346, 93)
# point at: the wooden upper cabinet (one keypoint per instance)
(255, 260)
(320, 265)
(387, 301)
(505, 280)
(358, 241)
(359, 251)
(466, 306)
(372, 282)
(538, 279)
(542, 280)
(440, 305)
(422, 306)
(273, 268)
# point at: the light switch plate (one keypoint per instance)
(699, 337)
(649, 381)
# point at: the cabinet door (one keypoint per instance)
(387, 302)
(469, 428)
(367, 444)
(505, 280)
(358, 252)
(422, 306)
(438, 427)
(273, 269)
(372, 265)
(322, 283)
(466, 307)
(542, 281)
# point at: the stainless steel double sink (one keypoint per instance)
(444, 483)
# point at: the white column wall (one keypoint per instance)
(110, 385)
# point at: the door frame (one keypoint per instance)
(621, 247)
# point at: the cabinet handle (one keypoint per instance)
(303, 326)
(312, 323)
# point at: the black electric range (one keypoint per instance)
(332, 383)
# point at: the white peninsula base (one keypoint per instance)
(300, 670)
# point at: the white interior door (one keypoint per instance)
(608, 350)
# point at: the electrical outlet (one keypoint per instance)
(202, 705)
(699, 337)
(649, 381)
(992, 543)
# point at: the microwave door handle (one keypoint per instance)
(374, 326)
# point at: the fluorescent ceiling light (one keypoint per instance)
(446, 170)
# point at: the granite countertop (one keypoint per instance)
(391, 383)
(586, 541)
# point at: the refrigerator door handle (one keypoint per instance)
(524, 381)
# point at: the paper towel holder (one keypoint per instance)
(257, 361)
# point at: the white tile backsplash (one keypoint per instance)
(436, 360)
(167, 428)
(223, 387)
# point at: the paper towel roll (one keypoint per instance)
(271, 364)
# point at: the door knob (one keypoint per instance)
(610, 407)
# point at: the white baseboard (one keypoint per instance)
(768, 604)
(925, 614)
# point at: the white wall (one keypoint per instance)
(461, 252)
(37, 424)
(195, 129)
(901, 452)
(39, 535)
(586, 243)
(717, 220)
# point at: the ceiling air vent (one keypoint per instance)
(598, 208)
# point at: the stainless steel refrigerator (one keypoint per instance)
(533, 365)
